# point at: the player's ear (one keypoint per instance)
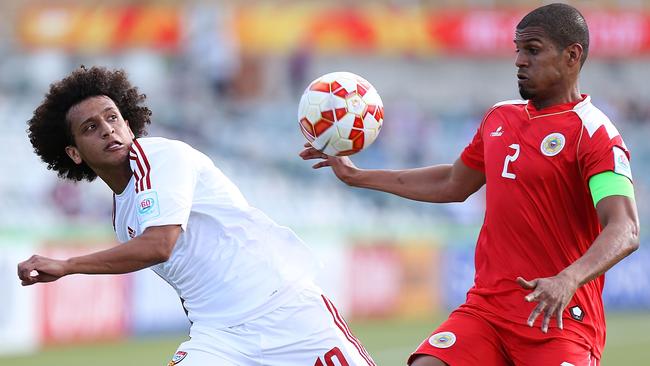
(574, 54)
(73, 153)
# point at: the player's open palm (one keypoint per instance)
(341, 165)
(40, 269)
(552, 295)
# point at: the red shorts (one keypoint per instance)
(468, 337)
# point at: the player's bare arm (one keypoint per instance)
(438, 183)
(154, 246)
(619, 238)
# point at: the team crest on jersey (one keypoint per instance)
(178, 357)
(552, 144)
(148, 207)
(442, 340)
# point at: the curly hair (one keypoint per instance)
(49, 130)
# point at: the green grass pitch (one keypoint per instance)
(388, 341)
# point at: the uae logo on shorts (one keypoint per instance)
(552, 144)
(442, 340)
(178, 357)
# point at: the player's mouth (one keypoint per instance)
(522, 77)
(113, 146)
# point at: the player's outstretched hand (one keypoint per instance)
(40, 269)
(552, 295)
(341, 165)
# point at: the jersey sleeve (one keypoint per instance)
(472, 155)
(165, 178)
(603, 150)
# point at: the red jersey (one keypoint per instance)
(540, 216)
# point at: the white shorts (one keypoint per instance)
(307, 332)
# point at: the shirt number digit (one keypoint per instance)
(509, 159)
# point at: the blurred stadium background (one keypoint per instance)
(226, 77)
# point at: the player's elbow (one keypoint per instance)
(630, 231)
(161, 242)
(164, 249)
(457, 195)
(163, 253)
(461, 198)
(633, 242)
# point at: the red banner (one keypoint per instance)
(491, 32)
(386, 30)
(328, 29)
(100, 29)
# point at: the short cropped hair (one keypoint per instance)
(563, 24)
(49, 130)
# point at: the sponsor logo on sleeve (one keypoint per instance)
(442, 340)
(552, 144)
(621, 163)
(148, 206)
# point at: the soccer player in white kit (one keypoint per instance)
(245, 282)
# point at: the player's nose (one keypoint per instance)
(521, 60)
(106, 129)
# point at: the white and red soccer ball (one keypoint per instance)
(340, 113)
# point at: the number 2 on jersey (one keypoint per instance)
(509, 159)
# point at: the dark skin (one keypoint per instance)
(102, 139)
(547, 75)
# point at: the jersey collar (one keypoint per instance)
(555, 109)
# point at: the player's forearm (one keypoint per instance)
(429, 184)
(132, 256)
(614, 243)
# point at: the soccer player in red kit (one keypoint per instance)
(560, 210)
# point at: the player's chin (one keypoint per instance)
(525, 92)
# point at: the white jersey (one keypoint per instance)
(231, 263)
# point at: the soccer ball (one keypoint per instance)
(340, 113)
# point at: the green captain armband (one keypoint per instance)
(607, 184)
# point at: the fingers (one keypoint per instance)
(547, 318)
(535, 313)
(28, 272)
(559, 312)
(321, 164)
(311, 153)
(532, 296)
(25, 268)
(528, 285)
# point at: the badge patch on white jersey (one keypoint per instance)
(178, 357)
(148, 206)
(621, 163)
(442, 340)
(552, 144)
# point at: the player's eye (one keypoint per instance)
(113, 117)
(89, 127)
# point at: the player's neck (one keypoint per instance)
(116, 179)
(569, 96)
